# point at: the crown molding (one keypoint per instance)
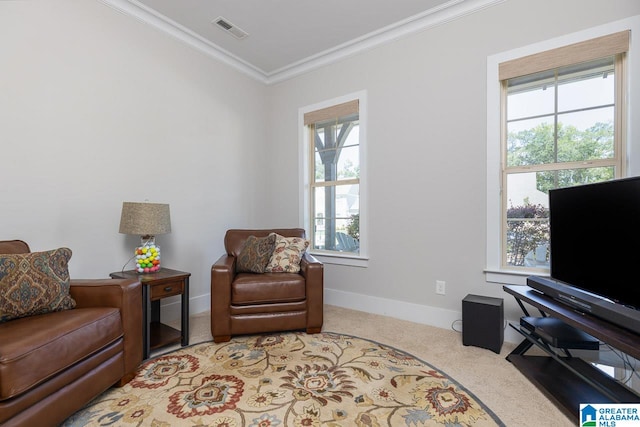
(436, 16)
(444, 13)
(149, 16)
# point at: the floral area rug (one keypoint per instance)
(288, 379)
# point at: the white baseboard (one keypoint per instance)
(424, 314)
(418, 313)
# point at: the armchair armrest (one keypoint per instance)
(223, 271)
(225, 265)
(313, 271)
(125, 294)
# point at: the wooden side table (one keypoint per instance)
(156, 286)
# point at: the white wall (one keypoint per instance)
(97, 108)
(427, 152)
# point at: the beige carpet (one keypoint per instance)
(487, 375)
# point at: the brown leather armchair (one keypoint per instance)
(249, 303)
(52, 364)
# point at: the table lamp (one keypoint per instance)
(146, 220)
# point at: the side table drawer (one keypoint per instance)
(163, 290)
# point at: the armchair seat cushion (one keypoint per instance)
(38, 347)
(267, 288)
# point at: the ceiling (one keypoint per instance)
(287, 36)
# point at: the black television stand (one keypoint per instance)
(569, 381)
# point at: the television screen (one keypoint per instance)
(595, 238)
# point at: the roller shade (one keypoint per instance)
(332, 112)
(587, 50)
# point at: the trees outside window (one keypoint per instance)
(562, 126)
(527, 223)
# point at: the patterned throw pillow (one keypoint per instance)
(34, 283)
(287, 255)
(255, 254)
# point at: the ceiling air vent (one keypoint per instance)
(230, 28)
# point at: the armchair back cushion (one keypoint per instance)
(234, 239)
(14, 247)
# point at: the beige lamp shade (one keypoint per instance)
(145, 219)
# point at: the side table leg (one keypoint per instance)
(146, 322)
(185, 313)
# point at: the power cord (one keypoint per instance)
(628, 365)
(455, 322)
(127, 263)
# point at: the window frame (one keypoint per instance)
(306, 156)
(494, 270)
(617, 161)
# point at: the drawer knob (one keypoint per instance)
(168, 289)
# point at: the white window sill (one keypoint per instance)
(511, 277)
(340, 259)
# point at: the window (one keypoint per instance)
(562, 125)
(333, 136)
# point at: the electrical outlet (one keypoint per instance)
(440, 287)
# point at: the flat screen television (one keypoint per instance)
(595, 250)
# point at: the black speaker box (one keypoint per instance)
(483, 322)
